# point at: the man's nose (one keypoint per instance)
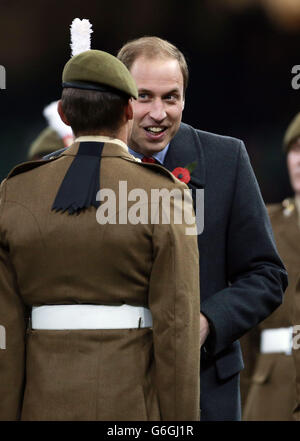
(158, 112)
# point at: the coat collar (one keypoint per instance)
(184, 149)
(80, 186)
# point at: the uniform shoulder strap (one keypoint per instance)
(26, 166)
(54, 154)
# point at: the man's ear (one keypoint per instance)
(129, 110)
(61, 113)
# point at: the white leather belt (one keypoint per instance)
(60, 317)
(277, 340)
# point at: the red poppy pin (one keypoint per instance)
(184, 173)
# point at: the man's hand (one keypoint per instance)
(204, 328)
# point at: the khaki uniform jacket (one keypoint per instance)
(49, 257)
(268, 381)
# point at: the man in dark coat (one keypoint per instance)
(242, 276)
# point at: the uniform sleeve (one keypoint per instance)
(12, 331)
(256, 275)
(175, 305)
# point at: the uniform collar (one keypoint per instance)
(80, 186)
(105, 139)
(112, 147)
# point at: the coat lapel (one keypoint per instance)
(184, 149)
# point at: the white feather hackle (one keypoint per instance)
(80, 36)
(51, 114)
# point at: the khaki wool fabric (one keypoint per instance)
(49, 257)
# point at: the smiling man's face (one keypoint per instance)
(158, 110)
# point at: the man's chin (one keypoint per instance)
(155, 146)
(147, 147)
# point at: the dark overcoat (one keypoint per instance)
(242, 275)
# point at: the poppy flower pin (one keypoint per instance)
(184, 173)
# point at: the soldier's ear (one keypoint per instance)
(129, 110)
(61, 114)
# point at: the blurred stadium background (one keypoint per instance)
(240, 53)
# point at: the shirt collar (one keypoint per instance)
(102, 139)
(159, 156)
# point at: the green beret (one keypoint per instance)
(47, 142)
(98, 70)
(292, 132)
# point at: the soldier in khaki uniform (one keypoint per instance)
(114, 331)
(268, 381)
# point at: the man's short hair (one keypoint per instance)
(91, 111)
(151, 47)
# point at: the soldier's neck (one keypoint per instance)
(121, 134)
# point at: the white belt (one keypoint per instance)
(59, 317)
(277, 340)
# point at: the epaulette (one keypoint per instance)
(29, 165)
(54, 154)
(26, 166)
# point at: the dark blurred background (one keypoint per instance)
(240, 54)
